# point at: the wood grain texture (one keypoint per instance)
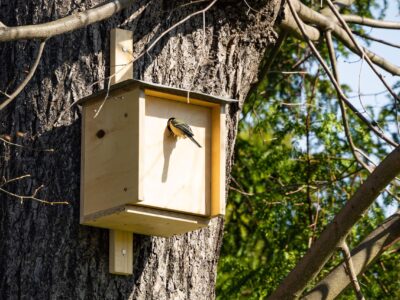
(110, 166)
(176, 173)
(121, 50)
(147, 220)
(121, 68)
(44, 252)
(121, 252)
(218, 159)
(130, 156)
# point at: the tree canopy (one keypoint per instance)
(294, 170)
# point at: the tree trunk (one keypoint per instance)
(44, 252)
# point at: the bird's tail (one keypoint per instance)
(194, 141)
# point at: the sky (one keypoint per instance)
(369, 83)
(358, 75)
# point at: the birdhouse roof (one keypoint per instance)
(133, 83)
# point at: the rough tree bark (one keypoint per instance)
(44, 252)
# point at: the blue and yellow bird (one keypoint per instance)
(180, 129)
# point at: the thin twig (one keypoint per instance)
(25, 147)
(361, 49)
(355, 150)
(203, 11)
(33, 197)
(334, 82)
(179, 23)
(368, 37)
(240, 191)
(27, 78)
(6, 181)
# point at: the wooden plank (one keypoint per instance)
(187, 100)
(121, 55)
(141, 151)
(110, 166)
(146, 220)
(121, 252)
(218, 162)
(82, 179)
(176, 173)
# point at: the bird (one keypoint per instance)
(180, 129)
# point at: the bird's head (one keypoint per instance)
(169, 122)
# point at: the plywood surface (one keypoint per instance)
(149, 221)
(110, 169)
(218, 162)
(121, 50)
(175, 173)
(121, 252)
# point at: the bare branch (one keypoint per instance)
(350, 270)
(288, 23)
(33, 197)
(181, 22)
(322, 249)
(362, 256)
(355, 150)
(240, 191)
(30, 197)
(368, 37)
(361, 50)
(325, 23)
(371, 22)
(317, 256)
(63, 25)
(339, 4)
(25, 147)
(335, 83)
(332, 57)
(6, 181)
(27, 78)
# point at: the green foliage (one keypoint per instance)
(293, 172)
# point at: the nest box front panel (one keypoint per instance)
(175, 173)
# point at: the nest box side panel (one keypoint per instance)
(218, 161)
(176, 174)
(111, 151)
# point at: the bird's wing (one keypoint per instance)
(183, 126)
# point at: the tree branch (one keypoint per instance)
(371, 22)
(317, 256)
(355, 150)
(368, 37)
(325, 23)
(334, 234)
(18, 90)
(63, 25)
(361, 50)
(362, 256)
(350, 270)
(289, 24)
(32, 197)
(333, 80)
(179, 23)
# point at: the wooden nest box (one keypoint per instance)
(138, 177)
